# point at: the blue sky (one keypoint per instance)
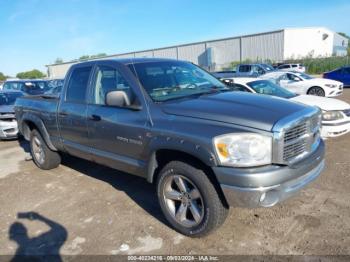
(35, 32)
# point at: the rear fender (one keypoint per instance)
(30, 121)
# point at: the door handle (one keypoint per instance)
(95, 118)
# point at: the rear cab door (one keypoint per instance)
(72, 111)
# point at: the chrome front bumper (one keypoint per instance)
(8, 129)
(268, 196)
(267, 186)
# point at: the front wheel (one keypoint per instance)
(189, 200)
(42, 155)
(316, 91)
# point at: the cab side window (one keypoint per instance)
(293, 77)
(77, 86)
(110, 79)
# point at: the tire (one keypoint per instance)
(316, 91)
(196, 211)
(43, 156)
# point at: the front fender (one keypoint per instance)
(179, 145)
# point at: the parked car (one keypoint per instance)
(304, 84)
(224, 74)
(341, 74)
(204, 146)
(8, 123)
(253, 69)
(28, 87)
(244, 70)
(55, 86)
(292, 67)
(335, 113)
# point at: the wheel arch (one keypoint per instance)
(161, 157)
(308, 90)
(30, 122)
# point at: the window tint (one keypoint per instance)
(244, 68)
(294, 66)
(13, 86)
(109, 79)
(76, 90)
(169, 80)
(266, 87)
(293, 77)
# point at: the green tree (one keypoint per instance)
(2, 77)
(84, 57)
(35, 73)
(58, 60)
(98, 55)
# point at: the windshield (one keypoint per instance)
(267, 67)
(267, 87)
(170, 80)
(7, 99)
(305, 76)
(30, 87)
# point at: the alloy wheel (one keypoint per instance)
(183, 201)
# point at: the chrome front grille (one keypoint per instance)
(295, 132)
(300, 139)
(296, 137)
(292, 150)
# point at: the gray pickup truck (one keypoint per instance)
(203, 146)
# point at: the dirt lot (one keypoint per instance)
(89, 209)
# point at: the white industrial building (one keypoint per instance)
(276, 46)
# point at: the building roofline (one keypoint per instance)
(167, 47)
(193, 43)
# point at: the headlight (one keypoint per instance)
(330, 85)
(243, 149)
(331, 115)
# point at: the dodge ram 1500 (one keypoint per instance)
(204, 147)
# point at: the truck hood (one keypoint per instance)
(7, 109)
(326, 104)
(244, 109)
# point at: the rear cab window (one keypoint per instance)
(78, 84)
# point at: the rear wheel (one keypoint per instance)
(42, 155)
(189, 199)
(316, 91)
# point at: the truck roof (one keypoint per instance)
(127, 61)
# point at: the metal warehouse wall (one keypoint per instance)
(263, 46)
(222, 52)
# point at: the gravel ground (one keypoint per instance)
(84, 208)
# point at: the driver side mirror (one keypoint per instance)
(121, 99)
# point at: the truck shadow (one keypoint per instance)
(137, 188)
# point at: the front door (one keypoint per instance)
(117, 134)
